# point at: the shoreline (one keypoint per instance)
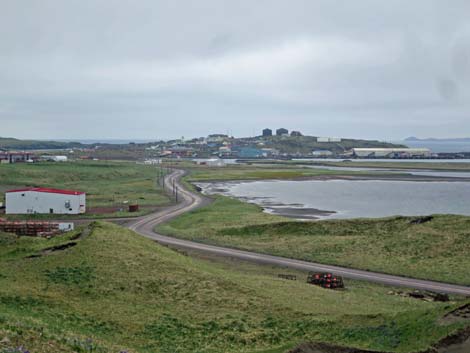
(303, 212)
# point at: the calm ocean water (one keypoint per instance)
(353, 199)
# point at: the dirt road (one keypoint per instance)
(190, 201)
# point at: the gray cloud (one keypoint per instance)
(145, 69)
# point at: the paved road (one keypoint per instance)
(190, 201)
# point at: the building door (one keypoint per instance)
(51, 210)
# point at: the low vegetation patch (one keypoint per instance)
(78, 275)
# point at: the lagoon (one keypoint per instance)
(329, 199)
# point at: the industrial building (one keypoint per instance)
(328, 139)
(322, 153)
(270, 152)
(181, 151)
(54, 158)
(44, 200)
(282, 132)
(152, 161)
(16, 157)
(212, 162)
(391, 152)
(296, 134)
(267, 133)
(225, 151)
(249, 152)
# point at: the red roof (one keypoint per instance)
(49, 190)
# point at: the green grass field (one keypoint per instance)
(435, 250)
(107, 184)
(244, 172)
(115, 291)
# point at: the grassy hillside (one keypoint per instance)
(435, 250)
(107, 184)
(12, 143)
(115, 291)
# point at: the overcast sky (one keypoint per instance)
(161, 69)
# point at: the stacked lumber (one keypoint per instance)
(30, 228)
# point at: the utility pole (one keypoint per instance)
(176, 195)
(160, 176)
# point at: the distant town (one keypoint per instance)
(270, 144)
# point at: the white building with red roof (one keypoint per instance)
(44, 200)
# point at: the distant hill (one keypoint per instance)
(16, 144)
(433, 139)
(305, 144)
(285, 144)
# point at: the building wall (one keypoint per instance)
(282, 131)
(322, 153)
(42, 202)
(248, 152)
(15, 157)
(386, 152)
(363, 153)
(328, 139)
